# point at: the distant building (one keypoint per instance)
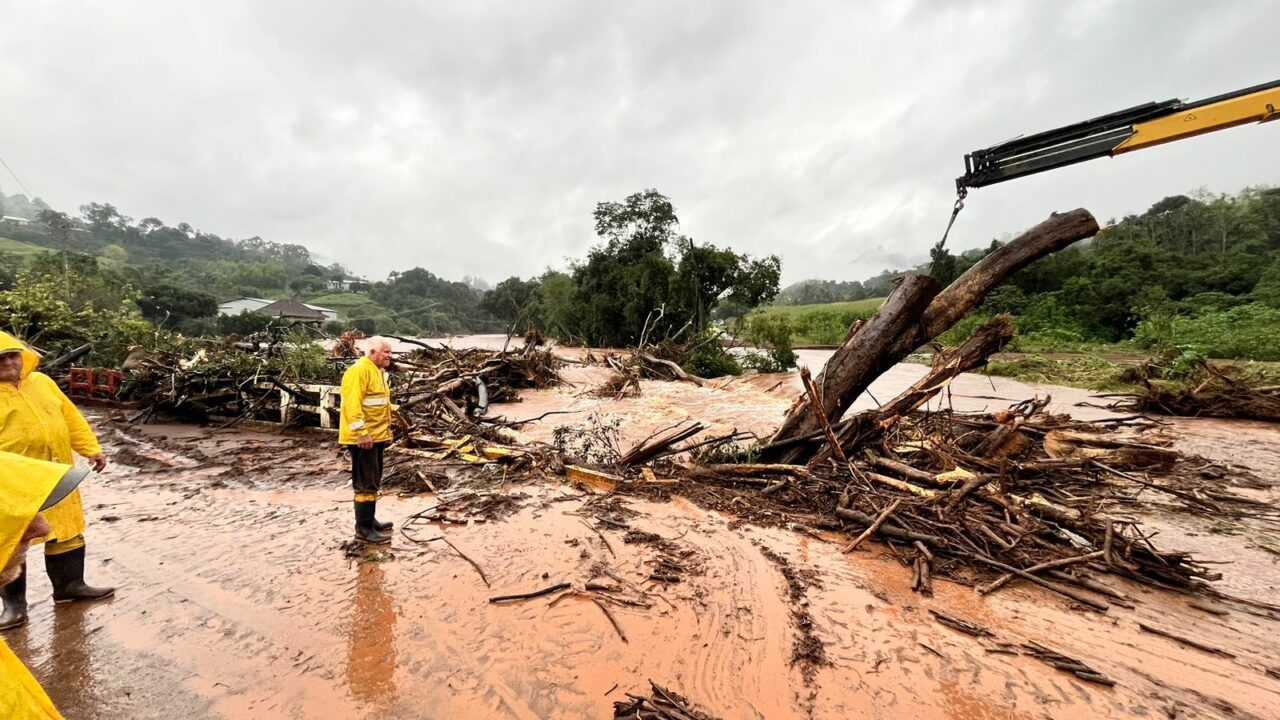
(290, 309)
(15, 219)
(242, 304)
(249, 304)
(346, 284)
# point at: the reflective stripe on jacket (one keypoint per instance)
(366, 403)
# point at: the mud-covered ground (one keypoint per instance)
(237, 598)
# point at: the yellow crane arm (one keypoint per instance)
(1259, 106)
(1138, 127)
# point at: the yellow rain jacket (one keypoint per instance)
(21, 494)
(366, 403)
(38, 421)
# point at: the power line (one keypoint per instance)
(16, 179)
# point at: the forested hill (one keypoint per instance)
(180, 273)
(102, 230)
(644, 277)
(1187, 271)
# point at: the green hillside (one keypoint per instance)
(822, 324)
(19, 248)
(342, 301)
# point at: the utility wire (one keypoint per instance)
(16, 179)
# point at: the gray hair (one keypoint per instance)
(375, 342)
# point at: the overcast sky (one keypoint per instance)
(475, 138)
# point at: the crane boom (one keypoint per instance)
(1138, 127)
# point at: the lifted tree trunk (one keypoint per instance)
(864, 355)
(913, 315)
(973, 352)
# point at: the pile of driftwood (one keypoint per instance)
(199, 381)
(451, 389)
(984, 499)
(438, 389)
(1210, 390)
(659, 704)
(987, 498)
(630, 368)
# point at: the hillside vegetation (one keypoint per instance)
(818, 324)
(1197, 273)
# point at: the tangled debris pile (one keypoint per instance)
(981, 499)
(630, 368)
(436, 387)
(476, 377)
(984, 499)
(659, 704)
(196, 380)
(1205, 390)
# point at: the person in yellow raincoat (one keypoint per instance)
(27, 486)
(38, 421)
(366, 432)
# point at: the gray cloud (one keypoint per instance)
(476, 138)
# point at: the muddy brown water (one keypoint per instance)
(237, 601)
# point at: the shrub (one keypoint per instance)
(1245, 332)
(771, 334)
(712, 360)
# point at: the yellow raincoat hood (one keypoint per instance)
(29, 357)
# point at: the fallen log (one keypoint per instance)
(675, 370)
(889, 531)
(1059, 231)
(985, 341)
(862, 358)
(657, 445)
(912, 316)
(1065, 592)
(874, 526)
(70, 357)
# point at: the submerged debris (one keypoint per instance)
(808, 652)
(660, 704)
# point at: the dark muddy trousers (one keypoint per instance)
(366, 471)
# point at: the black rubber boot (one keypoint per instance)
(381, 526)
(66, 572)
(15, 602)
(365, 531)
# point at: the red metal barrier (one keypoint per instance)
(94, 383)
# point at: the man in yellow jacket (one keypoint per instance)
(366, 432)
(38, 421)
(27, 486)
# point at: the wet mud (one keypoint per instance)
(238, 599)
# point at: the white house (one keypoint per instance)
(344, 285)
(248, 304)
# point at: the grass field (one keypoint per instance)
(21, 249)
(822, 324)
(342, 301)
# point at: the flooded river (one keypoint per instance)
(237, 600)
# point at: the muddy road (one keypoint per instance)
(238, 598)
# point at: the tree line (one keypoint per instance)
(1199, 270)
(643, 278)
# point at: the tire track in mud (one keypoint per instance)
(252, 576)
(201, 578)
(742, 668)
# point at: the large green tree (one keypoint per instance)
(648, 277)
